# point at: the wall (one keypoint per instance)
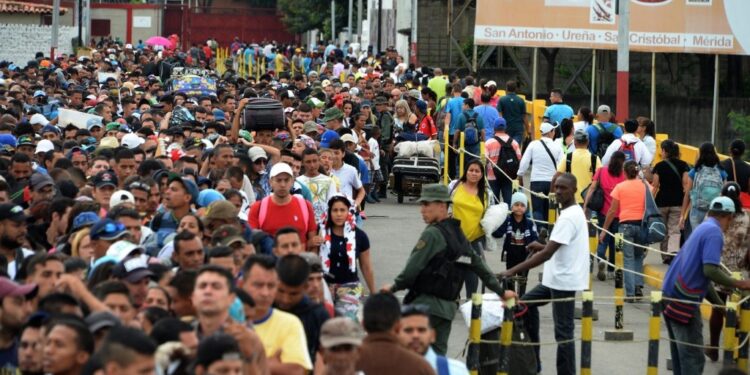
(35, 19)
(121, 20)
(17, 40)
(433, 42)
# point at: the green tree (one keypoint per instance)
(305, 15)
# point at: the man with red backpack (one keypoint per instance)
(630, 145)
(504, 153)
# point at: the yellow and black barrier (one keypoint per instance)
(730, 330)
(742, 336)
(587, 331)
(506, 337)
(654, 334)
(552, 215)
(475, 334)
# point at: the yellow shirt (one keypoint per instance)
(284, 331)
(468, 208)
(279, 63)
(580, 166)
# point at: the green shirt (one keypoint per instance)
(513, 109)
(430, 243)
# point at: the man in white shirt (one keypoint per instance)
(630, 145)
(541, 157)
(350, 184)
(566, 265)
(417, 334)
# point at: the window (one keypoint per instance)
(100, 27)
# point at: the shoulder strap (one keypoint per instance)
(442, 365)
(734, 170)
(19, 260)
(262, 211)
(593, 164)
(552, 158)
(568, 162)
(599, 128)
(673, 168)
(303, 207)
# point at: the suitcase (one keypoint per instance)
(410, 173)
(263, 114)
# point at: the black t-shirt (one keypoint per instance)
(339, 272)
(743, 172)
(670, 182)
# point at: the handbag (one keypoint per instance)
(744, 196)
(653, 229)
(596, 202)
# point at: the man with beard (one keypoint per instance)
(417, 335)
(20, 170)
(15, 307)
(12, 233)
(30, 349)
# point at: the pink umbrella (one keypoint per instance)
(159, 41)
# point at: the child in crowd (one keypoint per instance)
(520, 235)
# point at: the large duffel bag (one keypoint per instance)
(263, 114)
(417, 166)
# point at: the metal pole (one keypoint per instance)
(587, 331)
(474, 60)
(623, 62)
(653, 334)
(333, 21)
(475, 334)
(414, 18)
(359, 22)
(351, 6)
(653, 87)
(79, 18)
(534, 63)
(593, 79)
(380, 26)
(55, 27)
(715, 115)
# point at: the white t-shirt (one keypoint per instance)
(375, 151)
(568, 269)
(348, 177)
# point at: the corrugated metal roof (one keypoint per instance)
(7, 6)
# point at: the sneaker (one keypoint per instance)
(600, 274)
(639, 291)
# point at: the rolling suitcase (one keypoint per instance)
(410, 173)
(263, 114)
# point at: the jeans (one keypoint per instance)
(517, 136)
(633, 257)
(502, 188)
(686, 360)
(470, 278)
(696, 218)
(609, 241)
(562, 315)
(671, 217)
(540, 205)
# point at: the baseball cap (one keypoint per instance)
(333, 113)
(603, 109)
(222, 209)
(280, 168)
(132, 140)
(546, 128)
(38, 119)
(40, 180)
(108, 230)
(328, 137)
(208, 196)
(84, 219)
(256, 153)
(123, 249)
(500, 123)
(44, 145)
(101, 319)
(188, 184)
(50, 129)
(365, 103)
(25, 141)
(422, 106)
(8, 140)
(39, 93)
(10, 211)
(9, 288)
(92, 123)
(581, 136)
(414, 94)
(722, 204)
(341, 331)
(226, 235)
(490, 83)
(132, 270)
(105, 178)
(219, 115)
(348, 137)
(109, 142)
(316, 103)
(310, 127)
(121, 196)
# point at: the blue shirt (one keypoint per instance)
(488, 114)
(558, 112)
(455, 367)
(702, 247)
(723, 173)
(594, 134)
(455, 107)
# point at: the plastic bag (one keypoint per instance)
(492, 312)
(493, 218)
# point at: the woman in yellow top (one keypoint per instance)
(469, 196)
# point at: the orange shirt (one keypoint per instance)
(632, 197)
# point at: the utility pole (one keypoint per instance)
(55, 27)
(79, 7)
(351, 5)
(376, 50)
(623, 60)
(413, 47)
(359, 22)
(333, 21)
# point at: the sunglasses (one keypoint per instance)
(114, 227)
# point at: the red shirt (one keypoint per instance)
(427, 126)
(279, 216)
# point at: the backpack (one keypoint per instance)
(471, 132)
(507, 160)
(707, 185)
(628, 149)
(443, 276)
(606, 137)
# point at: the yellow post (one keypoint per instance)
(654, 334)
(552, 213)
(482, 151)
(730, 329)
(742, 358)
(619, 282)
(446, 151)
(593, 243)
(461, 155)
(506, 337)
(257, 71)
(475, 334)
(587, 331)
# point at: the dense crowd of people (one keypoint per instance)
(155, 230)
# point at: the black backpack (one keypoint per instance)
(443, 277)
(507, 160)
(606, 137)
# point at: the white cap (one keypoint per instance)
(119, 197)
(132, 140)
(44, 145)
(280, 168)
(256, 153)
(490, 83)
(546, 128)
(348, 137)
(121, 249)
(38, 119)
(603, 109)
(128, 46)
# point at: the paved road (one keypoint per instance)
(393, 230)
